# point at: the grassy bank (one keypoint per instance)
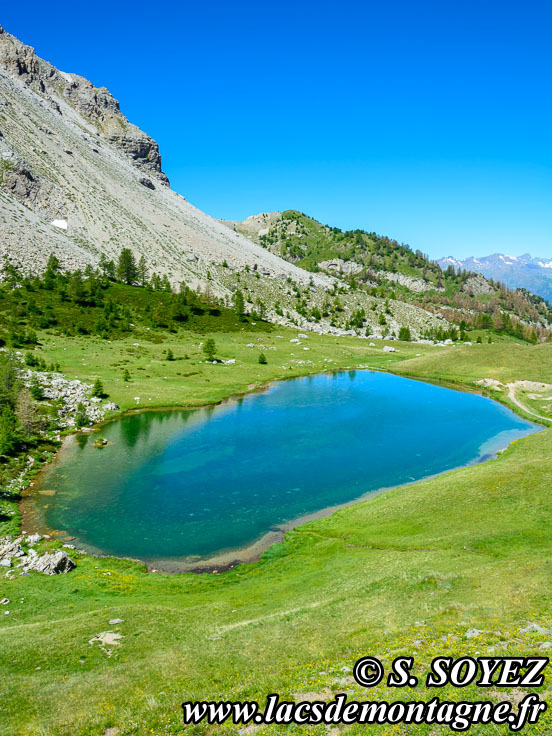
(189, 380)
(409, 572)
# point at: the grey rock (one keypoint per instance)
(146, 182)
(115, 621)
(52, 563)
(10, 548)
(534, 629)
(473, 633)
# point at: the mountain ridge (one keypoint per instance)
(523, 272)
(78, 179)
(382, 265)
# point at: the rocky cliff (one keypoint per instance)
(77, 178)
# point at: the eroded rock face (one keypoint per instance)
(17, 59)
(34, 191)
(96, 104)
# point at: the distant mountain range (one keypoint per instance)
(533, 274)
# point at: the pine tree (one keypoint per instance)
(107, 268)
(209, 348)
(35, 389)
(239, 304)
(81, 417)
(262, 359)
(8, 435)
(98, 389)
(52, 264)
(127, 271)
(142, 271)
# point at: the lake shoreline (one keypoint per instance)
(250, 552)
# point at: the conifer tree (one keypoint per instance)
(127, 271)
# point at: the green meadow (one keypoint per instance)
(413, 571)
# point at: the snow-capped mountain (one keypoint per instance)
(534, 274)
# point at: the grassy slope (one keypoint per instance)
(190, 381)
(407, 572)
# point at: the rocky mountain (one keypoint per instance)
(533, 274)
(76, 177)
(382, 266)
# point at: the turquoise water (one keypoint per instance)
(172, 484)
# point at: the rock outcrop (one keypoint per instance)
(51, 563)
(95, 104)
(20, 553)
(68, 155)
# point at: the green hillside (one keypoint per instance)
(383, 267)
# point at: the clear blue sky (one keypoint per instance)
(427, 121)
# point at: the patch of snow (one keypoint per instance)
(62, 224)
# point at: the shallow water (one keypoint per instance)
(181, 483)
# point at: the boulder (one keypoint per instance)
(52, 563)
(144, 181)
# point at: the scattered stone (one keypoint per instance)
(4, 601)
(389, 349)
(534, 629)
(115, 621)
(473, 633)
(9, 548)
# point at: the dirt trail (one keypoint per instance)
(530, 386)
